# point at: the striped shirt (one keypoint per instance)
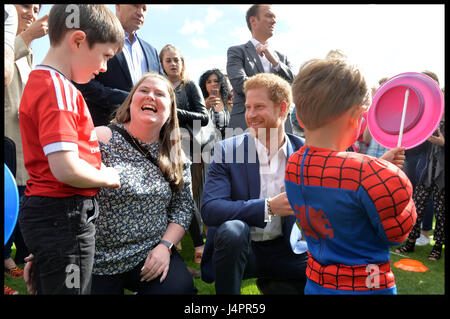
(134, 55)
(54, 117)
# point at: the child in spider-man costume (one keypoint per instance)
(351, 207)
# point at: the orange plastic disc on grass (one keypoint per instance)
(410, 265)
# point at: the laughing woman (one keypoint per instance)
(140, 222)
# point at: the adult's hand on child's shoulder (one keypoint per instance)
(396, 156)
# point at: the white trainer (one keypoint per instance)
(422, 240)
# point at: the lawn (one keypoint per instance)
(431, 282)
(248, 286)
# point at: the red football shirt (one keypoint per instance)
(54, 117)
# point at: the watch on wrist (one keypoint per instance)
(166, 243)
(269, 210)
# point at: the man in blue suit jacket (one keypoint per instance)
(106, 92)
(250, 233)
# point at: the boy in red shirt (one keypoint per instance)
(61, 151)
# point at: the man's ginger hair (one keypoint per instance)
(278, 89)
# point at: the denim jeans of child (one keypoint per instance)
(60, 232)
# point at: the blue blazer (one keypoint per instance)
(107, 91)
(231, 192)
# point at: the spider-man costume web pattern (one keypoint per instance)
(351, 207)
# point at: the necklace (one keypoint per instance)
(139, 147)
(137, 144)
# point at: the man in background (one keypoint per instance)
(253, 57)
(106, 92)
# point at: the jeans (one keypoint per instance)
(178, 281)
(427, 223)
(59, 232)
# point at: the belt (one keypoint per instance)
(344, 277)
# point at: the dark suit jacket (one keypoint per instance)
(242, 63)
(231, 191)
(106, 92)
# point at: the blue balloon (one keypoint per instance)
(11, 203)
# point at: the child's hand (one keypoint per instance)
(29, 274)
(112, 177)
(396, 156)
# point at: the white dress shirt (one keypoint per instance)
(271, 172)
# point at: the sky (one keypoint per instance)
(383, 40)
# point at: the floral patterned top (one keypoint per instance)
(133, 218)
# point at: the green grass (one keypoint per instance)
(408, 283)
(431, 282)
(248, 286)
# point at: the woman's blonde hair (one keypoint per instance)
(324, 89)
(169, 158)
(169, 47)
